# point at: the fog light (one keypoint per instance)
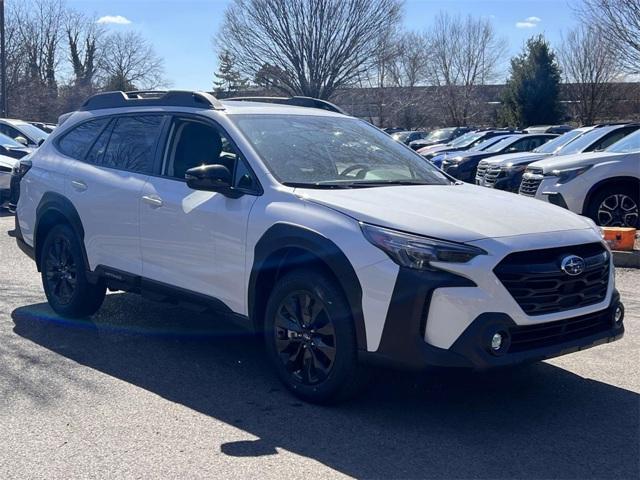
(618, 314)
(496, 341)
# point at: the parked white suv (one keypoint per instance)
(341, 245)
(605, 186)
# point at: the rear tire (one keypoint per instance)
(64, 275)
(615, 207)
(310, 338)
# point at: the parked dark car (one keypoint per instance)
(409, 136)
(465, 142)
(441, 135)
(463, 166)
(483, 145)
(504, 172)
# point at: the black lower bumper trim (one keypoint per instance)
(472, 348)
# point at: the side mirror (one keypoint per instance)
(22, 140)
(211, 178)
(41, 141)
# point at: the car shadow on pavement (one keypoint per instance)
(538, 421)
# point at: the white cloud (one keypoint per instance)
(114, 19)
(529, 22)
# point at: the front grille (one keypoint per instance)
(530, 182)
(534, 278)
(530, 337)
(480, 171)
(492, 174)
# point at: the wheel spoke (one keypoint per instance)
(329, 351)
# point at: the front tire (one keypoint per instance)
(310, 338)
(64, 275)
(615, 207)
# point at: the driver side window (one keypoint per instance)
(193, 143)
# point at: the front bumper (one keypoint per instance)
(408, 350)
(464, 170)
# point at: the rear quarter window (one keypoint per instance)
(79, 139)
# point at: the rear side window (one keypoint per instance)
(77, 141)
(131, 145)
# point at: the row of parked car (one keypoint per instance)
(593, 170)
(17, 139)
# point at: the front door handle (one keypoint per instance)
(78, 185)
(153, 200)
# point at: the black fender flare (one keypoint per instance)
(283, 236)
(59, 205)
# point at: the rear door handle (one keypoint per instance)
(153, 200)
(78, 185)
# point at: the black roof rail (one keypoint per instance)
(308, 102)
(159, 98)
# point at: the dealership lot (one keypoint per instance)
(151, 390)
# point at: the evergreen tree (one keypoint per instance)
(229, 78)
(531, 95)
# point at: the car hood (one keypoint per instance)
(576, 160)
(8, 162)
(433, 147)
(459, 212)
(519, 158)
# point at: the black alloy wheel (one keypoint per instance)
(64, 275)
(60, 270)
(305, 337)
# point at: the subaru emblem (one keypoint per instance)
(572, 265)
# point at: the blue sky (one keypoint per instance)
(182, 30)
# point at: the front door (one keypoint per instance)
(191, 239)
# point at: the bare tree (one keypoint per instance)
(35, 28)
(619, 22)
(317, 45)
(84, 37)
(465, 53)
(590, 63)
(129, 62)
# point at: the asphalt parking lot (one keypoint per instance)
(150, 390)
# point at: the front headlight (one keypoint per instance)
(417, 252)
(569, 174)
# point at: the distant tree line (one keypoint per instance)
(316, 47)
(56, 57)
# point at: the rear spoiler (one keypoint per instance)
(62, 118)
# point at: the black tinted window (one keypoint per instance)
(100, 145)
(76, 143)
(132, 144)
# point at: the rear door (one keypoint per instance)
(105, 189)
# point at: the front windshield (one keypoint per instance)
(502, 144)
(583, 141)
(486, 145)
(328, 151)
(9, 142)
(556, 143)
(466, 139)
(439, 135)
(629, 144)
(32, 132)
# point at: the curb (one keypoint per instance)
(626, 259)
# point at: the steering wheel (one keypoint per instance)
(362, 167)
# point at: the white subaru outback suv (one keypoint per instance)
(605, 186)
(340, 245)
